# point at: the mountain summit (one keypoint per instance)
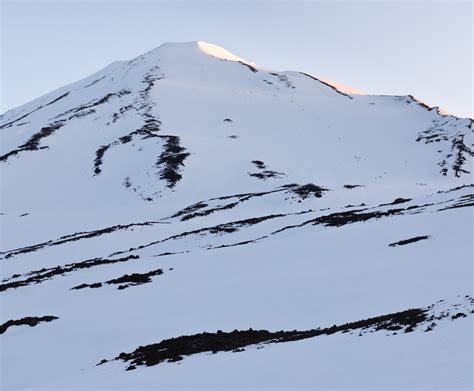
(218, 52)
(189, 202)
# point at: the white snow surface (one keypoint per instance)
(191, 124)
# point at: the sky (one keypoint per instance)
(399, 47)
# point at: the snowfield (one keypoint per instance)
(190, 220)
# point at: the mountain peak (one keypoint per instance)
(218, 52)
(192, 48)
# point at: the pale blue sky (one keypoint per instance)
(385, 47)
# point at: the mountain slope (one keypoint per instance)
(189, 190)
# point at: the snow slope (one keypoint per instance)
(189, 190)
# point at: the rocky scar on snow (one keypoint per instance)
(174, 349)
(38, 276)
(124, 281)
(309, 190)
(408, 241)
(33, 143)
(9, 124)
(74, 237)
(204, 208)
(264, 173)
(171, 160)
(31, 321)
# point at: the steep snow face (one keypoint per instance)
(223, 114)
(189, 190)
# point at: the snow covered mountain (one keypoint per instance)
(189, 202)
